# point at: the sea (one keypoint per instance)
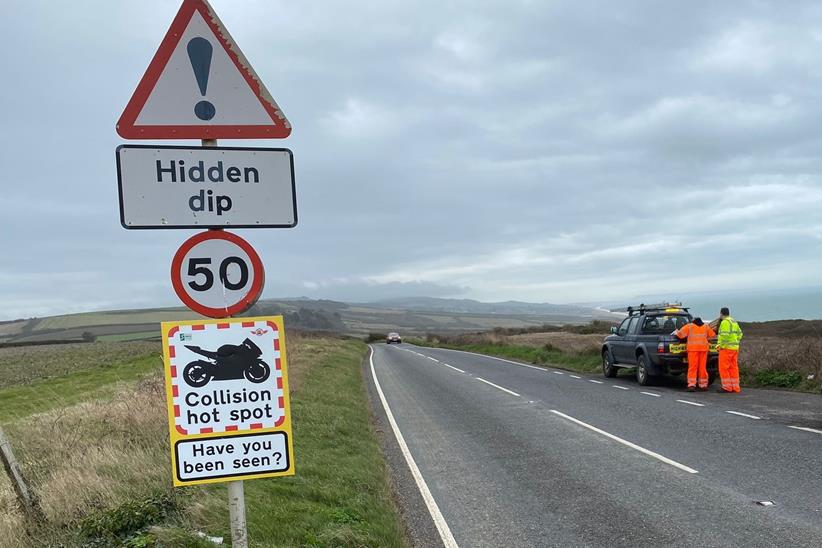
(747, 306)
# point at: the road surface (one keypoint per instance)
(508, 454)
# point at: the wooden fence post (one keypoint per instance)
(28, 501)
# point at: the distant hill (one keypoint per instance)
(470, 306)
(408, 316)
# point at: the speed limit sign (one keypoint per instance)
(217, 274)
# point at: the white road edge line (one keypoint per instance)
(652, 394)
(627, 443)
(620, 387)
(442, 526)
(744, 415)
(558, 373)
(597, 382)
(574, 377)
(454, 368)
(691, 403)
(806, 429)
(497, 386)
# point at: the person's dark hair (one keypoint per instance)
(699, 322)
(725, 311)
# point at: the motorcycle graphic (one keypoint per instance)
(228, 362)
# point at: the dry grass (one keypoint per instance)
(96, 455)
(572, 343)
(566, 342)
(779, 355)
(92, 456)
(12, 525)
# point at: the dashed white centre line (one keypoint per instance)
(806, 429)
(454, 368)
(597, 382)
(691, 403)
(494, 358)
(620, 387)
(744, 415)
(558, 373)
(652, 394)
(627, 443)
(574, 377)
(498, 386)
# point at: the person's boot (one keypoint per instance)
(692, 389)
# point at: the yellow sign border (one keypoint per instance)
(175, 436)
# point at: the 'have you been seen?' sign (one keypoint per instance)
(228, 408)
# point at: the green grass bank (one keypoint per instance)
(580, 362)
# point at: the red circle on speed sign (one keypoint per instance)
(217, 274)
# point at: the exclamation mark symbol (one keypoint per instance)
(199, 53)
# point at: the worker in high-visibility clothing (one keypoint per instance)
(728, 344)
(697, 333)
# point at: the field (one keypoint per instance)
(91, 435)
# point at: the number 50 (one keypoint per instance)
(197, 266)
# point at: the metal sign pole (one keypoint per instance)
(236, 511)
(236, 492)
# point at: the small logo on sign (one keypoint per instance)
(185, 337)
(259, 332)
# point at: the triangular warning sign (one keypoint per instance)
(199, 85)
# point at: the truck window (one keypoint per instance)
(663, 324)
(623, 327)
(632, 325)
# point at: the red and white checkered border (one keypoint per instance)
(175, 391)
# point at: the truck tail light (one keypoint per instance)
(660, 348)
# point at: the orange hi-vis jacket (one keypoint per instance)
(697, 336)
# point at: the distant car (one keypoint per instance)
(643, 341)
(393, 338)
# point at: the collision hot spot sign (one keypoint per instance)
(202, 187)
(228, 407)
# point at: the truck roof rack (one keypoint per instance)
(643, 308)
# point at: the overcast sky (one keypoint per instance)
(534, 150)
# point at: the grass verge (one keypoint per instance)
(101, 467)
(580, 362)
(340, 495)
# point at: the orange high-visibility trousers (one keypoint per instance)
(697, 368)
(729, 369)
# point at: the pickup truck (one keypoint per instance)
(644, 342)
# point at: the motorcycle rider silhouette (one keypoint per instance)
(228, 362)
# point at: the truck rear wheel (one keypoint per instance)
(643, 378)
(608, 367)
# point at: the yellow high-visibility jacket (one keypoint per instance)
(729, 334)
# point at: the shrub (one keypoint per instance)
(374, 337)
(778, 378)
(128, 518)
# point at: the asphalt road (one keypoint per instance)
(516, 455)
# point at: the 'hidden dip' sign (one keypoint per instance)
(212, 187)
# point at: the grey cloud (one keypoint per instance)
(524, 150)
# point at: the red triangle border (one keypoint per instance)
(126, 128)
